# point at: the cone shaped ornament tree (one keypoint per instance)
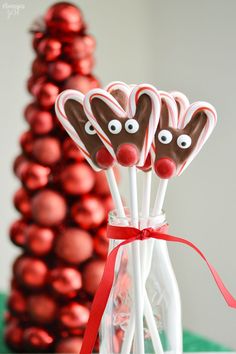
(62, 203)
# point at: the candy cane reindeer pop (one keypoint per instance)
(128, 136)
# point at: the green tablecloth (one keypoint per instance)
(192, 342)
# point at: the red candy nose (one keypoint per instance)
(165, 168)
(127, 155)
(104, 158)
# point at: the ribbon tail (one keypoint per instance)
(100, 301)
(230, 300)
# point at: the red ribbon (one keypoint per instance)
(131, 234)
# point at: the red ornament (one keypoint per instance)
(92, 275)
(39, 240)
(49, 49)
(84, 66)
(35, 176)
(37, 340)
(26, 141)
(47, 150)
(59, 70)
(17, 302)
(39, 67)
(22, 202)
(19, 165)
(65, 281)
(80, 47)
(37, 37)
(101, 242)
(71, 345)
(73, 316)
(74, 246)
(71, 151)
(34, 85)
(88, 212)
(41, 122)
(81, 83)
(30, 272)
(30, 109)
(64, 18)
(48, 208)
(17, 232)
(108, 204)
(41, 308)
(14, 336)
(47, 94)
(77, 179)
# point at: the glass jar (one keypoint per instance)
(161, 301)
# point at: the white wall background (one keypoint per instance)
(184, 45)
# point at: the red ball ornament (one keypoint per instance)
(41, 309)
(30, 272)
(22, 202)
(64, 18)
(26, 142)
(39, 240)
(84, 66)
(65, 281)
(35, 176)
(14, 336)
(17, 302)
(59, 70)
(74, 246)
(92, 274)
(80, 47)
(101, 242)
(47, 94)
(71, 151)
(71, 345)
(34, 85)
(48, 208)
(88, 212)
(37, 37)
(37, 340)
(77, 179)
(73, 316)
(47, 150)
(17, 232)
(82, 83)
(30, 110)
(49, 49)
(19, 165)
(39, 67)
(41, 122)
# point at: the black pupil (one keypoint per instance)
(183, 143)
(130, 126)
(113, 127)
(91, 128)
(163, 138)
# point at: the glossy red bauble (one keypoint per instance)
(37, 340)
(39, 67)
(41, 122)
(64, 18)
(80, 47)
(35, 176)
(31, 272)
(73, 316)
(74, 246)
(17, 302)
(59, 70)
(26, 142)
(38, 240)
(17, 232)
(22, 202)
(47, 95)
(84, 66)
(101, 242)
(14, 336)
(81, 83)
(89, 212)
(65, 281)
(49, 49)
(71, 151)
(71, 345)
(48, 208)
(92, 274)
(41, 308)
(47, 150)
(77, 179)
(19, 165)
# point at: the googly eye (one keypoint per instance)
(165, 136)
(184, 141)
(131, 126)
(114, 126)
(89, 129)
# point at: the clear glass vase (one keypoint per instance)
(161, 301)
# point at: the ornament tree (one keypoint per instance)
(63, 205)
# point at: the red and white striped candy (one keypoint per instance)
(182, 104)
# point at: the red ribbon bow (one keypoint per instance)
(131, 234)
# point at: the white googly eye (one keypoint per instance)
(114, 126)
(165, 136)
(184, 141)
(131, 126)
(89, 129)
